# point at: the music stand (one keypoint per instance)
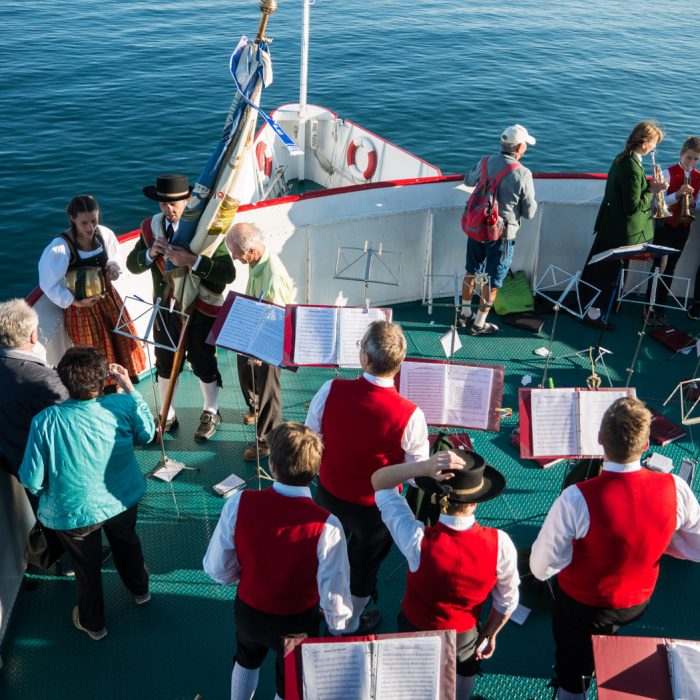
(638, 281)
(687, 417)
(551, 281)
(368, 264)
(166, 468)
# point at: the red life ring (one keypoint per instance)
(371, 158)
(264, 158)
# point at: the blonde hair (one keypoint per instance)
(624, 430)
(17, 321)
(642, 133)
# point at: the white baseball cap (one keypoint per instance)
(517, 134)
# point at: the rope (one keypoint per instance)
(593, 381)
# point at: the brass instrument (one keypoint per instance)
(686, 216)
(660, 210)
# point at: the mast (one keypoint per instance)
(303, 79)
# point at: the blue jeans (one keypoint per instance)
(492, 257)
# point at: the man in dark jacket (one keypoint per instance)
(27, 384)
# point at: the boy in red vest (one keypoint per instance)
(683, 180)
(366, 424)
(455, 565)
(287, 556)
(605, 537)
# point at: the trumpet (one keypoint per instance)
(660, 210)
(686, 216)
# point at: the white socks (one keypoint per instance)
(163, 390)
(244, 681)
(210, 392)
(465, 687)
(466, 310)
(480, 319)
(358, 606)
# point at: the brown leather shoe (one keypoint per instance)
(250, 454)
(248, 418)
(208, 423)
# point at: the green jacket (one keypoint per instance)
(215, 272)
(625, 214)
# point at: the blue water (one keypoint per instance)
(100, 96)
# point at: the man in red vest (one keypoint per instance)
(455, 565)
(604, 538)
(366, 424)
(287, 556)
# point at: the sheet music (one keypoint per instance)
(254, 328)
(336, 671)
(408, 669)
(555, 423)
(352, 325)
(592, 406)
(684, 665)
(423, 383)
(315, 335)
(468, 396)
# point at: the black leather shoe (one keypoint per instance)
(599, 323)
(208, 422)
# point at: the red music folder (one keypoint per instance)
(327, 336)
(415, 659)
(662, 430)
(457, 394)
(567, 426)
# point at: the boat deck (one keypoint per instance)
(181, 644)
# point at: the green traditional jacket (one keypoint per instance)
(625, 214)
(215, 272)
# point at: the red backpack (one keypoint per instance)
(480, 220)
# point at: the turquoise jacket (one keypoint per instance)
(80, 459)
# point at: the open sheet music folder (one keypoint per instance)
(403, 666)
(250, 327)
(327, 336)
(458, 394)
(564, 422)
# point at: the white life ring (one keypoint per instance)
(371, 167)
(263, 155)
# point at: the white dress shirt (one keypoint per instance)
(157, 222)
(414, 440)
(53, 265)
(408, 534)
(569, 520)
(333, 574)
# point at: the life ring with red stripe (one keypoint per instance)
(371, 167)
(264, 157)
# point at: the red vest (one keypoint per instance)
(633, 517)
(677, 178)
(362, 428)
(456, 574)
(276, 539)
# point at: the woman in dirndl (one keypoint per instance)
(76, 272)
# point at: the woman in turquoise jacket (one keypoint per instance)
(80, 462)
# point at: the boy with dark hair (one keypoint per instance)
(604, 538)
(366, 424)
(683, 182)
(455, 565)
(287, 556)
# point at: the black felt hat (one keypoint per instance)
(171, 187)
(476, 483)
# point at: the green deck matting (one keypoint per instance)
(182, 642)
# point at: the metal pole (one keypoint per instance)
(303, 80)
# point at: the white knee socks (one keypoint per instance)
(163, 390)
(210, 392)
(244, 681)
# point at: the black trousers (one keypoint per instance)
(261, 388)
(672, 238)
(573, 623)
(258, 632)
(369, 541)
(200, 354)
(467, 663)
(84, 545)
(603, 275)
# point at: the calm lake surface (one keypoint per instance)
(99, 97)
